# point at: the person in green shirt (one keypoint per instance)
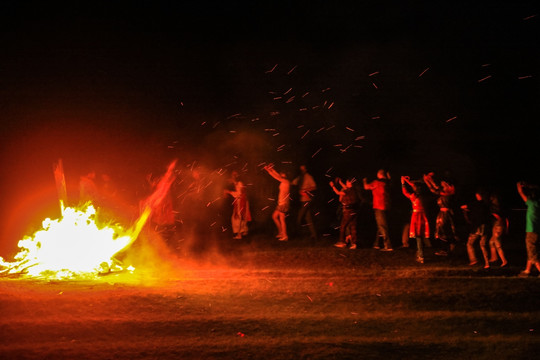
(529, 194)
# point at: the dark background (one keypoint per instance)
(124, 87)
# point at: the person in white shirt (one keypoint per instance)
(284, 201)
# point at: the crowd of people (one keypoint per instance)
(486, 222)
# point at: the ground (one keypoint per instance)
(264, 299)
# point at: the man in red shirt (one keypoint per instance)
(381, 204)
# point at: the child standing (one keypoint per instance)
(419, 227)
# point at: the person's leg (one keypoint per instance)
(493, 254)
(301, 215)
(235, 223)
(343, 227)
(348, 222)
(527, 270)
(383, 225)
(283, 225)
(236, 226)
(500, 251)
(470, 248)
(420, 249)
(495, 244)
(405, 235)
(485, 253)
(277, 221)
(309, 221)
(531, 240)
(352, 229)
(376, 243)
(243, 227)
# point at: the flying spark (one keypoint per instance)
(423, 72)
(487, 77)
(271, 70)
(290, 71)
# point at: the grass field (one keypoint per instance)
(262, 299)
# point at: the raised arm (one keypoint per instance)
(520, 191)
(405, 180)
(338, 192)
(270, 169)
(367, 185)
(428, 179)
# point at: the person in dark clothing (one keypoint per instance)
(445, 229)
(477, 214)
(349, 213)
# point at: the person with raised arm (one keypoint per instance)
(419, 226)
(284, 201)
(349, 212)
(445, 229)
(529, 194)
(478, 216)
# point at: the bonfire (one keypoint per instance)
(80, 245)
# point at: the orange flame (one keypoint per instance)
(76, 246)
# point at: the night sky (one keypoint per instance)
(412, 86)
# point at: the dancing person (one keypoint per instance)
(306, 187)
(477, 214)
(241, 214)
(162, 217)
(498, 230)
(283, 204)
(445, 229)
(529, 194)
(194, 213)
(380, 189)
(419, 226)
(349, 213)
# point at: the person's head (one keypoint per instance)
(303, 169)
(283, 174)
(235, 175)
(533, 193)
(480, 194)
(530, 190)
(447, 188)
(349, 183)
(381, 174)
(419, 187)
